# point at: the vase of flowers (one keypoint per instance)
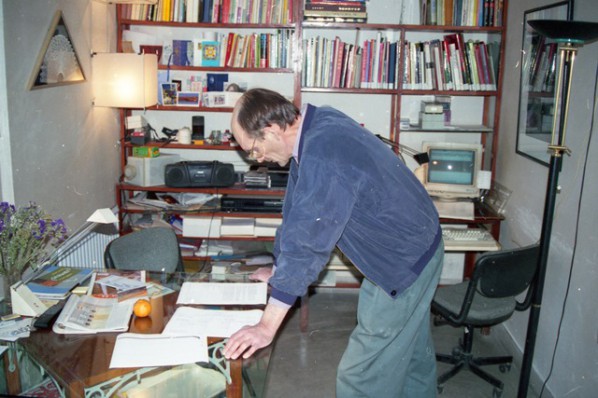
(26, 233)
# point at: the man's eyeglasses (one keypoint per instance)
(253, 153)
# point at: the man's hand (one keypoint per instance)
(249, 339)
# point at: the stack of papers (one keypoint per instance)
(218, 293)
(184, 339)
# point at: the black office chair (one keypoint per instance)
(150, 249)
(488, 299)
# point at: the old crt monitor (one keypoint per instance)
(452, 170)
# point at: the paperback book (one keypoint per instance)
(56, 282)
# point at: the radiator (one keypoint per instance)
(88, 251)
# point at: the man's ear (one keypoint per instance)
(275, 130)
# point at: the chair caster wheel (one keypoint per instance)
(496, 393)
(439, 389)
(505, 368)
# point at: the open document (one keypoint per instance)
(212, 323)
(87, 314)
(134, 350)
(221, 293)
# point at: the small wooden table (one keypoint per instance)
(78, 362)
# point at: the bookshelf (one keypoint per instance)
(379, 104)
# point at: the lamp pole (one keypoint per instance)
(570, 35)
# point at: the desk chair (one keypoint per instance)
(150, 249)
(488, 299)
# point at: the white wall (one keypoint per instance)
(573, 252)
(64, 151)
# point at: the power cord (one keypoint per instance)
(575, 238)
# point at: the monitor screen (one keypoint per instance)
(452, 170)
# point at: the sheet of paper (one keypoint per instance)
(15, 329)
(134, 350)
(462, 210)
(212, 323)
(220, 293)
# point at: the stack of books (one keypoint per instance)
(56, 283)
(335, 11)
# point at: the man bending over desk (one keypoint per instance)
(348, 189)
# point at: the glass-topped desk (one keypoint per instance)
(79, 364)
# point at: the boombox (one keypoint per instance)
(199, 174)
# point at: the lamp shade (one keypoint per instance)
(125, 80)
(575, 32)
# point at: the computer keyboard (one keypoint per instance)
(468, 239)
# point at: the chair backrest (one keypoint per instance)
(150, 249)
(506, 273)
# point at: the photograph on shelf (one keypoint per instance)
(168, 94)
(179, 84)
(238, 87)
(188, 98)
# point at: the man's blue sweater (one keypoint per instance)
(349, 189)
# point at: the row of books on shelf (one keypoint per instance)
(542, 66)
(255, 50)
(212, 11)
(335, 11)
(462, 12)
(332, 63)
(450, 64)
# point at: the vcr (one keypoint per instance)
(251, 204)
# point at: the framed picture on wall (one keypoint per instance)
(539, 65)
(57, 62)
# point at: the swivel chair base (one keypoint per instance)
(463, 359)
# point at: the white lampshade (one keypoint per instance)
(125, 80)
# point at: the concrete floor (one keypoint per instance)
(303, 365)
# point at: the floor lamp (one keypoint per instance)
(570, 36)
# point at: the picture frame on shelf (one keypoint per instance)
(168, 94)
(188, 98)
(57, 63)
(539, 63)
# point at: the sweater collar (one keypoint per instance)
(307, 114)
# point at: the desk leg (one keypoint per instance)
(235, 388)
(11, 370)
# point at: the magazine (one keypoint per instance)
(122, 285)
(88, 314)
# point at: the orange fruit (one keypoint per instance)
(142, 308)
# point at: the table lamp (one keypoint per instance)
(125, 80)
(570, 36)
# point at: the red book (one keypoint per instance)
(229, 46)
